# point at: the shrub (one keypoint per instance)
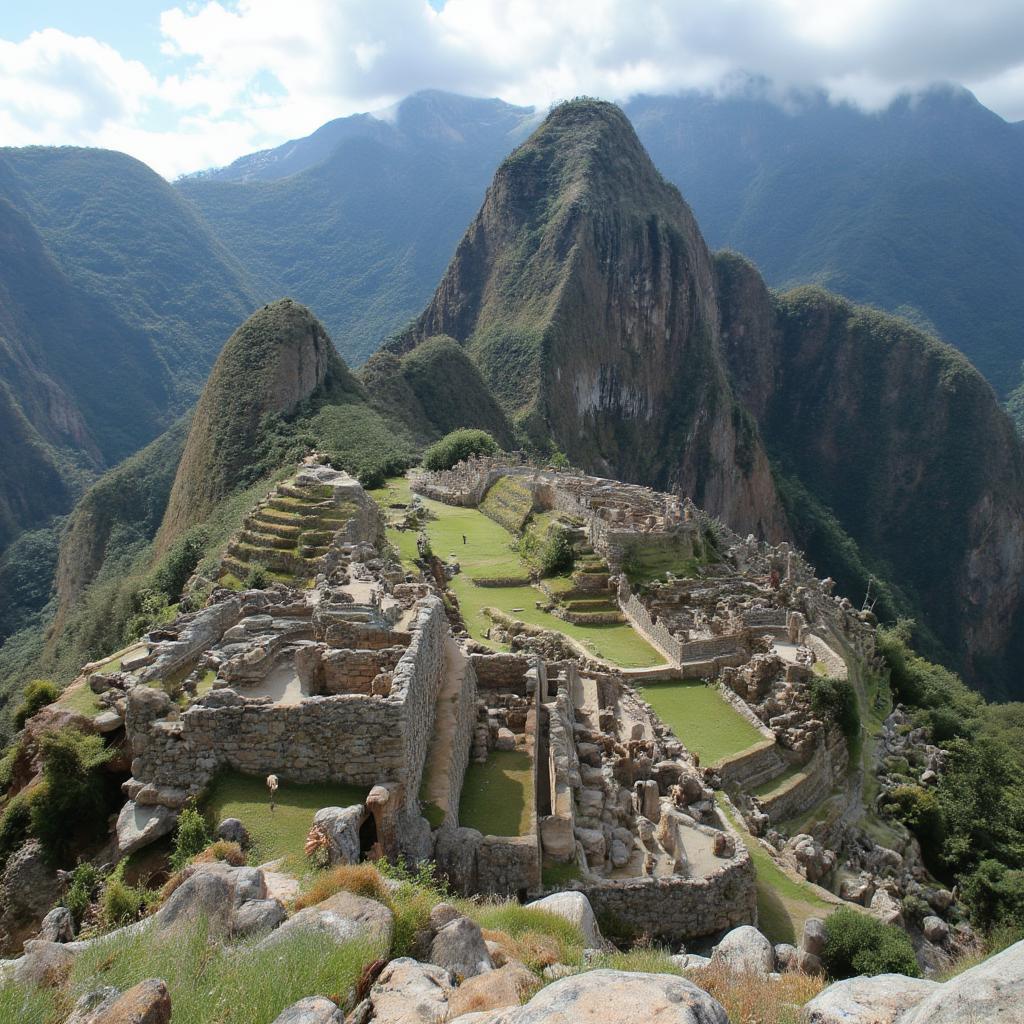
(15, 823)
(994, 895)
(38, 694)
(174, 569)
(536, 937)
(72, 804)
(834, 700)
(191, 837)
(7, 763)
(258, 578)
(918, 809)
(121, 903)
(83, 888)
(556, 556)
(456, 446)
(858, 944)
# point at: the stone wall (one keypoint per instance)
(328, 671)
(201, 630)
(765, 618)
(676, 909)
(635, 610)
(508, 865)
(814, 783)
(351, 738)
(507, 673)
(359, 635)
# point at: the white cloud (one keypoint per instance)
(251, 73)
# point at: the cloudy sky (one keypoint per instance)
(194, 84)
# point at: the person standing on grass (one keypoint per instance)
(272, 786)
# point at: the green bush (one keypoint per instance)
(456, 446)
(994, 895)
(856, 943)
(38, 694)
(258, 578)
(72, 803)
(835, 701)
(15, 824)
(121, 903)
(556, 554)
(83, 888)
(190, 838)
(174, 569)
(7, 763)
(919, 809)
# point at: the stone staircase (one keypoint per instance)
(509, 502)
(287, 534)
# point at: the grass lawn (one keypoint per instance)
(81, 699)
(283, 831)
(705, 722)
(489, 552)
(783, 904)
(497, 797)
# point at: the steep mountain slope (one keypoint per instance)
(359, 220)
(917, 209)
(904, 442)
(113, 301)
(585, 293)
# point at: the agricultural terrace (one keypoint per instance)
(699, 715)
(489, 552)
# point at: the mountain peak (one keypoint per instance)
(281, 356)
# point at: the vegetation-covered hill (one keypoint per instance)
(359, 220)
(114, 300)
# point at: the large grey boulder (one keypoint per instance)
(342, 917)
(992, 992)
(341, 826)
(408, 992)
(745, 950)
(44, 964)
(58, 926)
(233, 901)
(612, 997)
(28, 889)
(460, 949)
(90, 1007)
(311, 1010)
(145, 1003)
(509, 985)
(231, 830)
(883, 999)
(139, 825)
(576, 909)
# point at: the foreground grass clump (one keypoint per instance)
(536, 937)
(362, 879)
(235, 984)
(754, 999)
(496, 796)
(701, 718)
(281, 832)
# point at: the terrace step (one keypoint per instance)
(269, 525)
(266, 540)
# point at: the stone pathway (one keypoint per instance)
(437, 787)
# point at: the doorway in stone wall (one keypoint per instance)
(369, 847)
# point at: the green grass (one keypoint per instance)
(82, 700)
(488, 549)
(705, 722)
(232, 984)
(783, 904)
(497, 796)
(523, 923)
(283, 831)
(555, 876)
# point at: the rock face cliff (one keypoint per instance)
(585, 293)
(281, 356)
(904, 442)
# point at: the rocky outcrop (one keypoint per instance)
(576, 909)
(28, 889)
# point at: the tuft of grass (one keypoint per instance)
(556, 876)
(21, 1005)
(643, 959)
(361, 879)
(749, 997)
(234, 984)
(535, 937)
(231, 853)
